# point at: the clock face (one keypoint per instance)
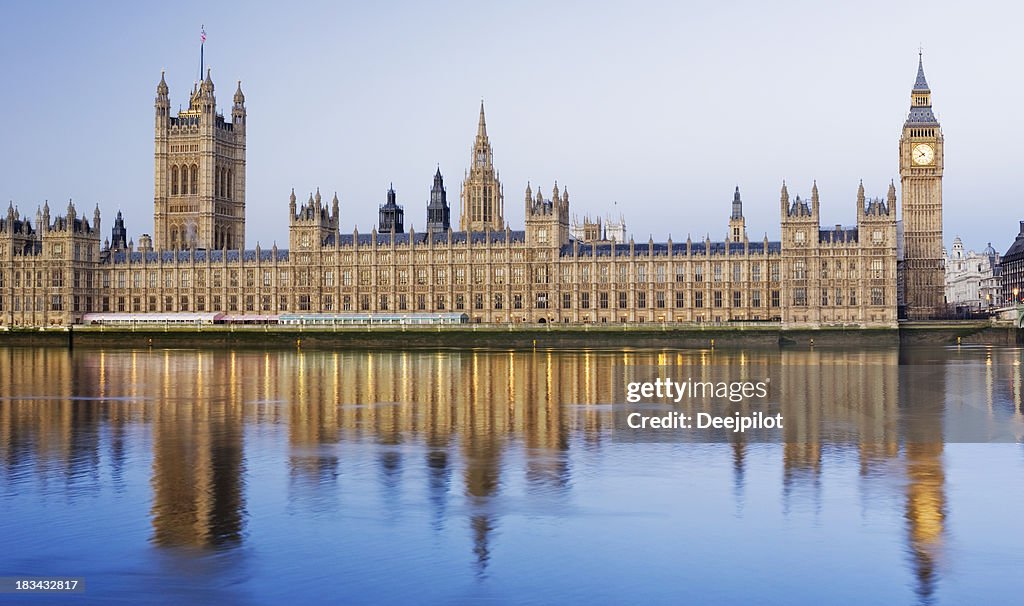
(923, 154)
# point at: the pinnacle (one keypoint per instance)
(921, 84)
(481, 130)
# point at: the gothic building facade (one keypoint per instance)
(56, 270)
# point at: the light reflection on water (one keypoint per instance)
(259, 477)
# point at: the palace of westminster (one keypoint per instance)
(55, 269)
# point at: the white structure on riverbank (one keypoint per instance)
(972, 279)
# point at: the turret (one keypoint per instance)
(118, 235)
(547, 221)
(310, 226)
(238, 109)
(391, 216)
(737, 224)
(438, 211)
(162, 103)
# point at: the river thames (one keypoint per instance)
(494, 477)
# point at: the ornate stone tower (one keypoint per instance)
(199, 199)
(921, 161)
(391, 215)
(547, 221)
(800, 244)
(118, 235)
(311, 225)
(438, 213)
(482, 196)
(737, 224)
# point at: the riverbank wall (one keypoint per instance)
(512, 337)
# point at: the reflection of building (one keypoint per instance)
(464, 429)
(1013, 269)
(926, 389)
(972, 279)
(198, 469)
(925, 513)
(837, 398)
(54, 271)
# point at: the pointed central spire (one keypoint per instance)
(161, 88)
(921, 84)
(481, 130)
(921, 99)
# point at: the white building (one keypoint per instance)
(972, 279)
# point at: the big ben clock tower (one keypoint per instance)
(921, 161)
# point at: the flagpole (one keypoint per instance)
(202, 45)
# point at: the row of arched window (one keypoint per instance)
(224, 176)
(183, 237)
(184, 180)
(179, 237)
(223, 237)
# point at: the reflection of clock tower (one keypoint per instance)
(482, 196)
(921, 164)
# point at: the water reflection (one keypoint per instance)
(479, 433)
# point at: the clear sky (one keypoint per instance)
(662, 108)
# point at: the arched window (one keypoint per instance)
(174, 180)
(195, 179)
(227, 194)
(184, 180)
(174, 239)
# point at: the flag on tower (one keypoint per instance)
(202, 33)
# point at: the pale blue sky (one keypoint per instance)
(662, 107)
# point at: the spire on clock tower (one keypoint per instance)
(921, 99)
(921, 84)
